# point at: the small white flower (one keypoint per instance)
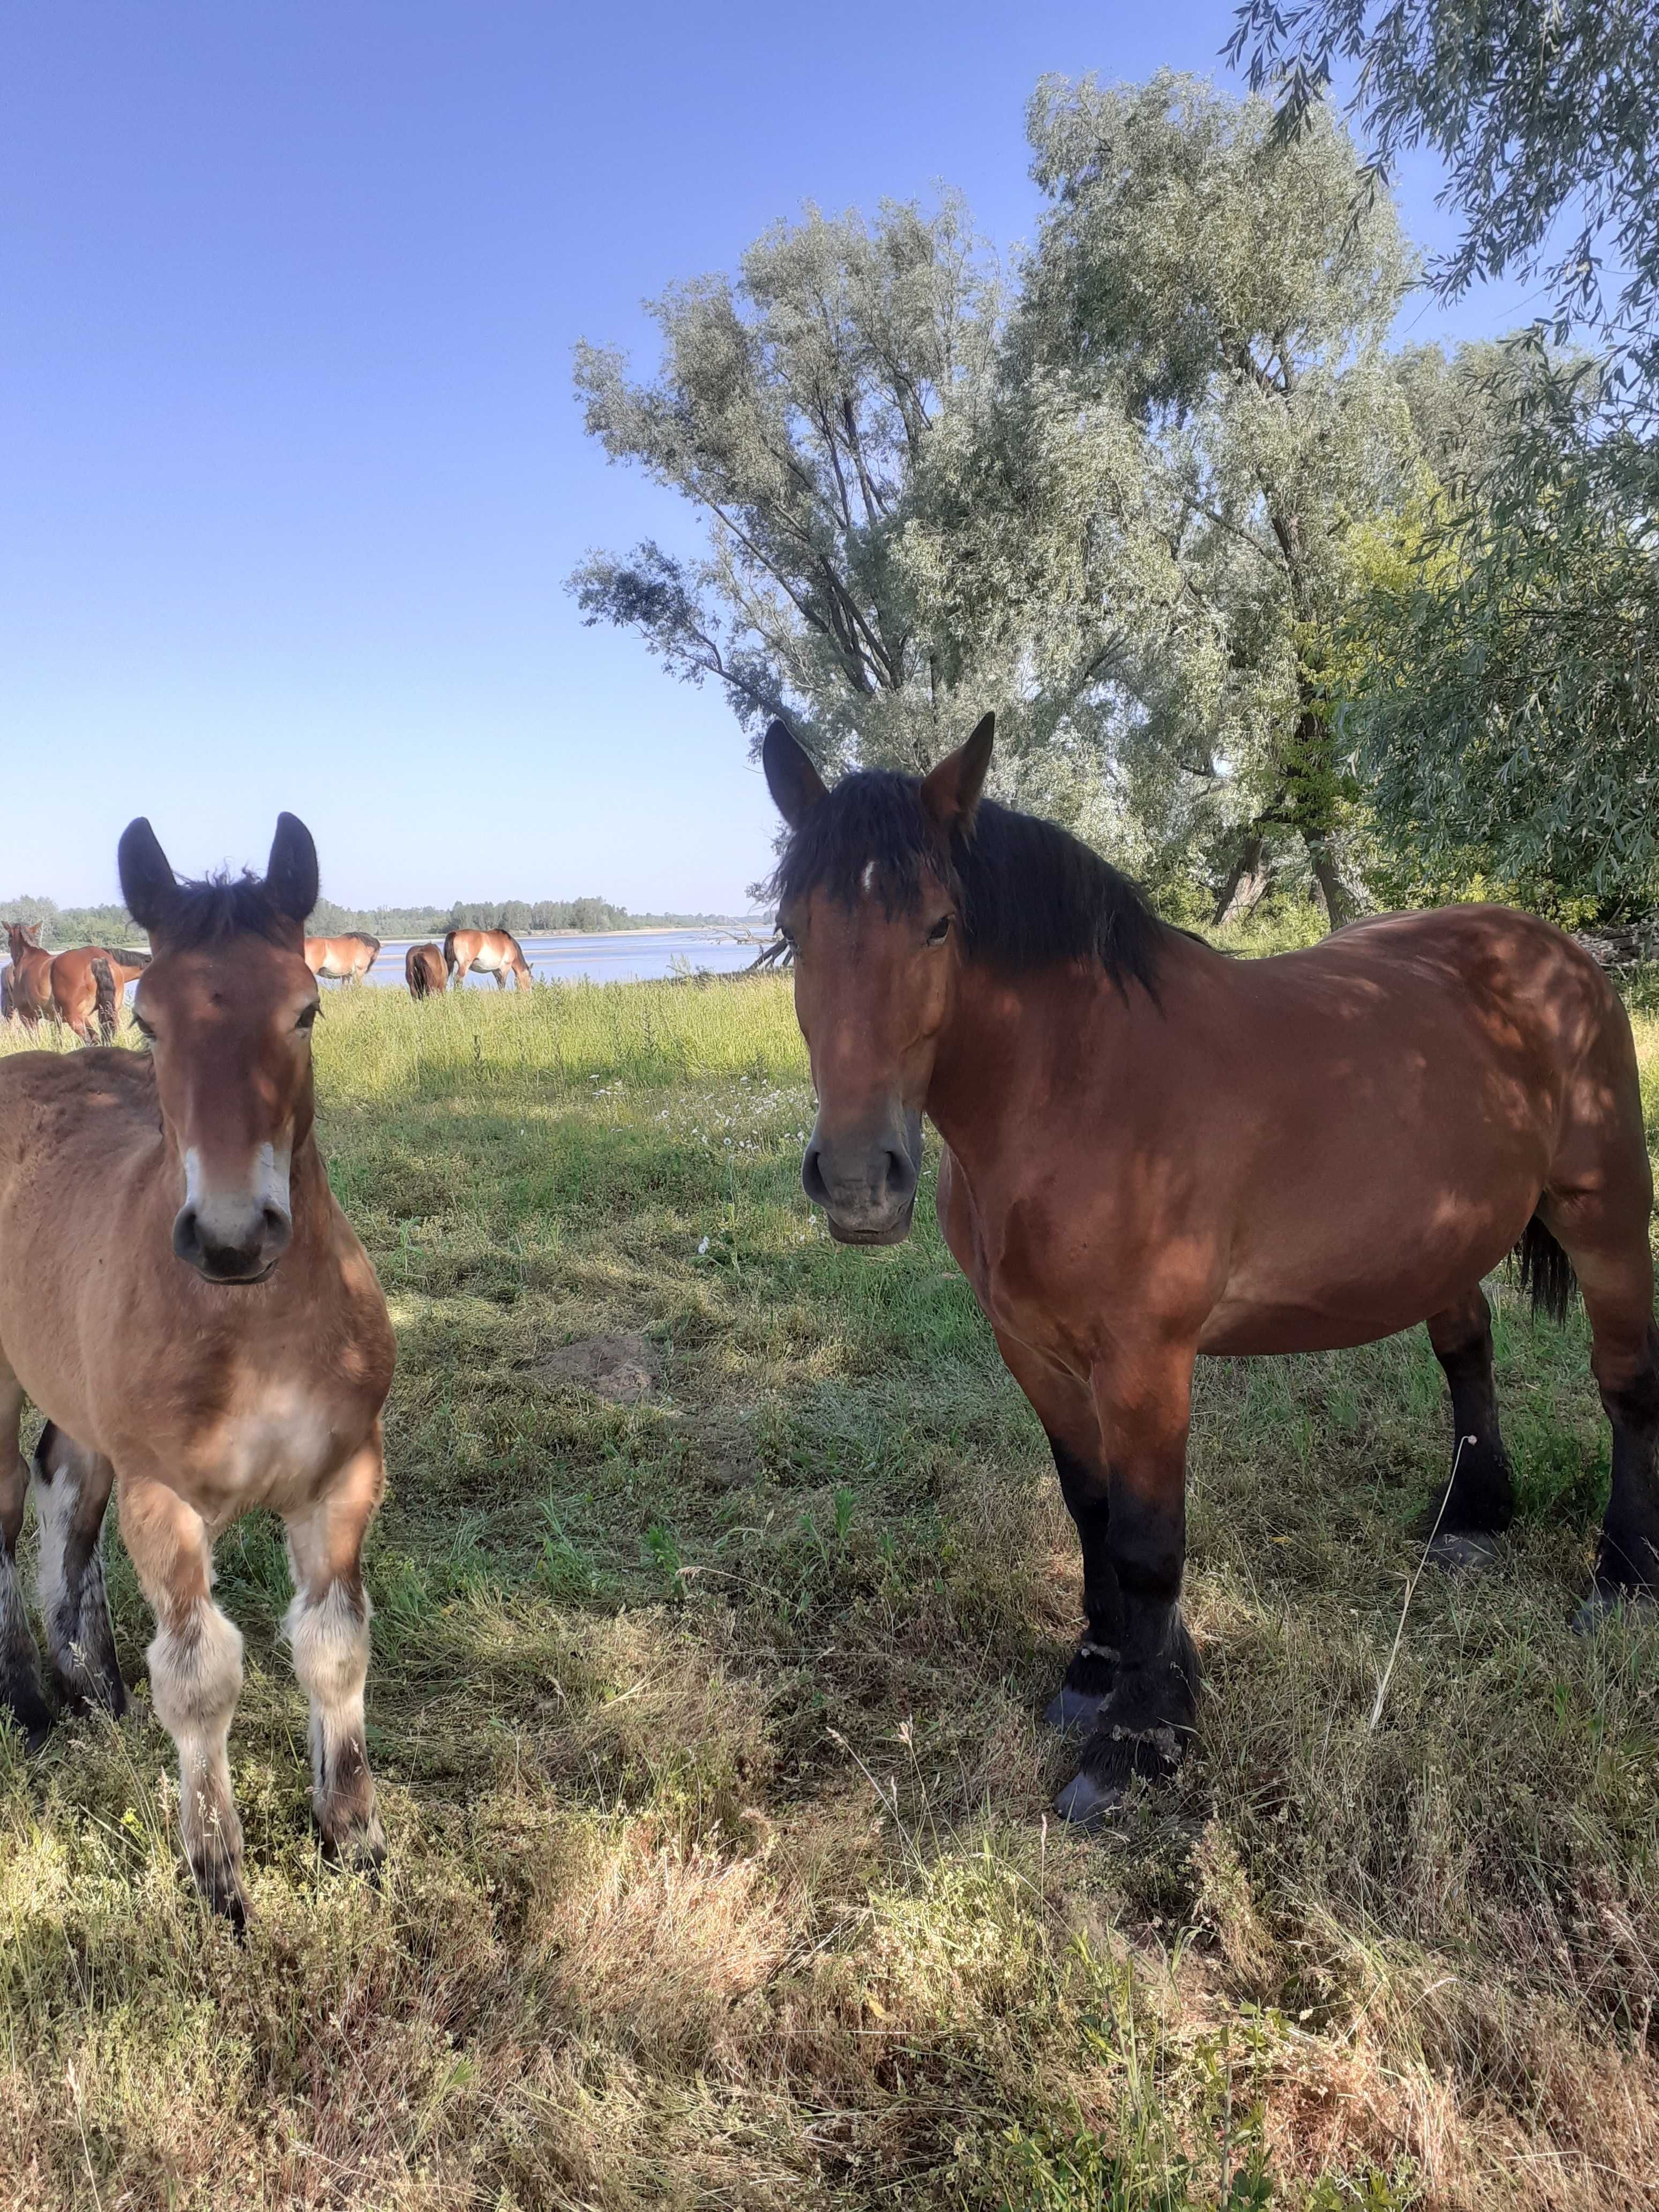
(702, 1247)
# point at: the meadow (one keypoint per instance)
(721, 1868)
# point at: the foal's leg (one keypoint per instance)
(328, 1627)
(71, 1490)
(195, 1679)
(1478, 1502)
(1143, 1396)
(20, 1686)
(1066, 1408)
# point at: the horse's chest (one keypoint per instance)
(275, 1444)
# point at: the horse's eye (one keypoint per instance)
(144, 1029)
(940, 930)
(307, 1017)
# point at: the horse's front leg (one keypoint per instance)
(327, 1626)
(20, 1686)
(71, 1490)
(195, 1679)
(1143, 1396)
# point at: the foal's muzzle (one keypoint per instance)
(866, 1184)
(232, 1243)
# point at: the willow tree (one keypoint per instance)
(1210, 286)
(791, 407)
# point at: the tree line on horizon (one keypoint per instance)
(90, 925)
(1268, 603)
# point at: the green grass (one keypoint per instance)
(720, 1874)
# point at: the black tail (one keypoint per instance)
(109, 999)
(1545, 1271)
(449, 951)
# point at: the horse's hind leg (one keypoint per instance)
(328, 1628)
(1478, 1502)
(195, 1679)
(19, 1684)
(71, 1490)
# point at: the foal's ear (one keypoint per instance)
(795, 785)
(148, 884)
(291, 871)
(950, 791)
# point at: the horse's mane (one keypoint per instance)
(1031, 895)
(361, 937)
(209, 913)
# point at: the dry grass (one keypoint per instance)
(720, 1874)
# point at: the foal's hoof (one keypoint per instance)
(29, 1713)
(359, 1849)
(1086, 1803)
(1072, 1709)
(1604, 1605)
(221, 1887)
(1461, 1551)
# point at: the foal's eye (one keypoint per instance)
(144, 1029)
(307, 1017)
(940, 930)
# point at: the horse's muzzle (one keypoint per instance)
(866, 1185)
(231, 1245)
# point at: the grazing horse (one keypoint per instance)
(182, 1297)
(31, 973)
(424, 971)
(345, 959)
(74, 988)
(1151, 1150)
(494, 953)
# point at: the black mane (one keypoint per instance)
(1029, 894)
(202, 915)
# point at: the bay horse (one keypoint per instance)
(183, 1299)
(31, 973)
(1152, 1152)
(494, 953)
(74, 988)
(424, 971)
(343, 959)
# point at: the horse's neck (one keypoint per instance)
(1001, 1037)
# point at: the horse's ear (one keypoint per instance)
(795, 785)
(148, 882)
(950, 791)
(291, 871)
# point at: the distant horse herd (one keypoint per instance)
(1150, 1153)
(81, 987)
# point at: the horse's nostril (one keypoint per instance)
(812, 1176)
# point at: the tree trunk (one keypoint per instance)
(1340, 903)
(1247, 881)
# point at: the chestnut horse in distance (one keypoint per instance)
(31, 973)
(424, 971)
(345, 959)
(183, 1299)
(1152, 1152)
(75, 984)
(494, 953)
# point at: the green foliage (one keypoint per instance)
(74, 925)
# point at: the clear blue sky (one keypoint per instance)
(293, 476)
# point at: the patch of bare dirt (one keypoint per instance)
(623, 1369)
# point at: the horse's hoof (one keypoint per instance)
(1603, 1605)
(221, 1887)
(1085, 1803)
(30, 1715)
(1073, 1708)
(1461, 1551)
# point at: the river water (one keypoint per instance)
(630, 956)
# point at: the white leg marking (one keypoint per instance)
(196, 1677)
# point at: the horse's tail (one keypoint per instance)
(108, 1000)
(1545, 1271)
(449, 951)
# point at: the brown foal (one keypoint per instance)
(1152, 1152)
(183, 1299)
(75, 988)
(31, 973)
